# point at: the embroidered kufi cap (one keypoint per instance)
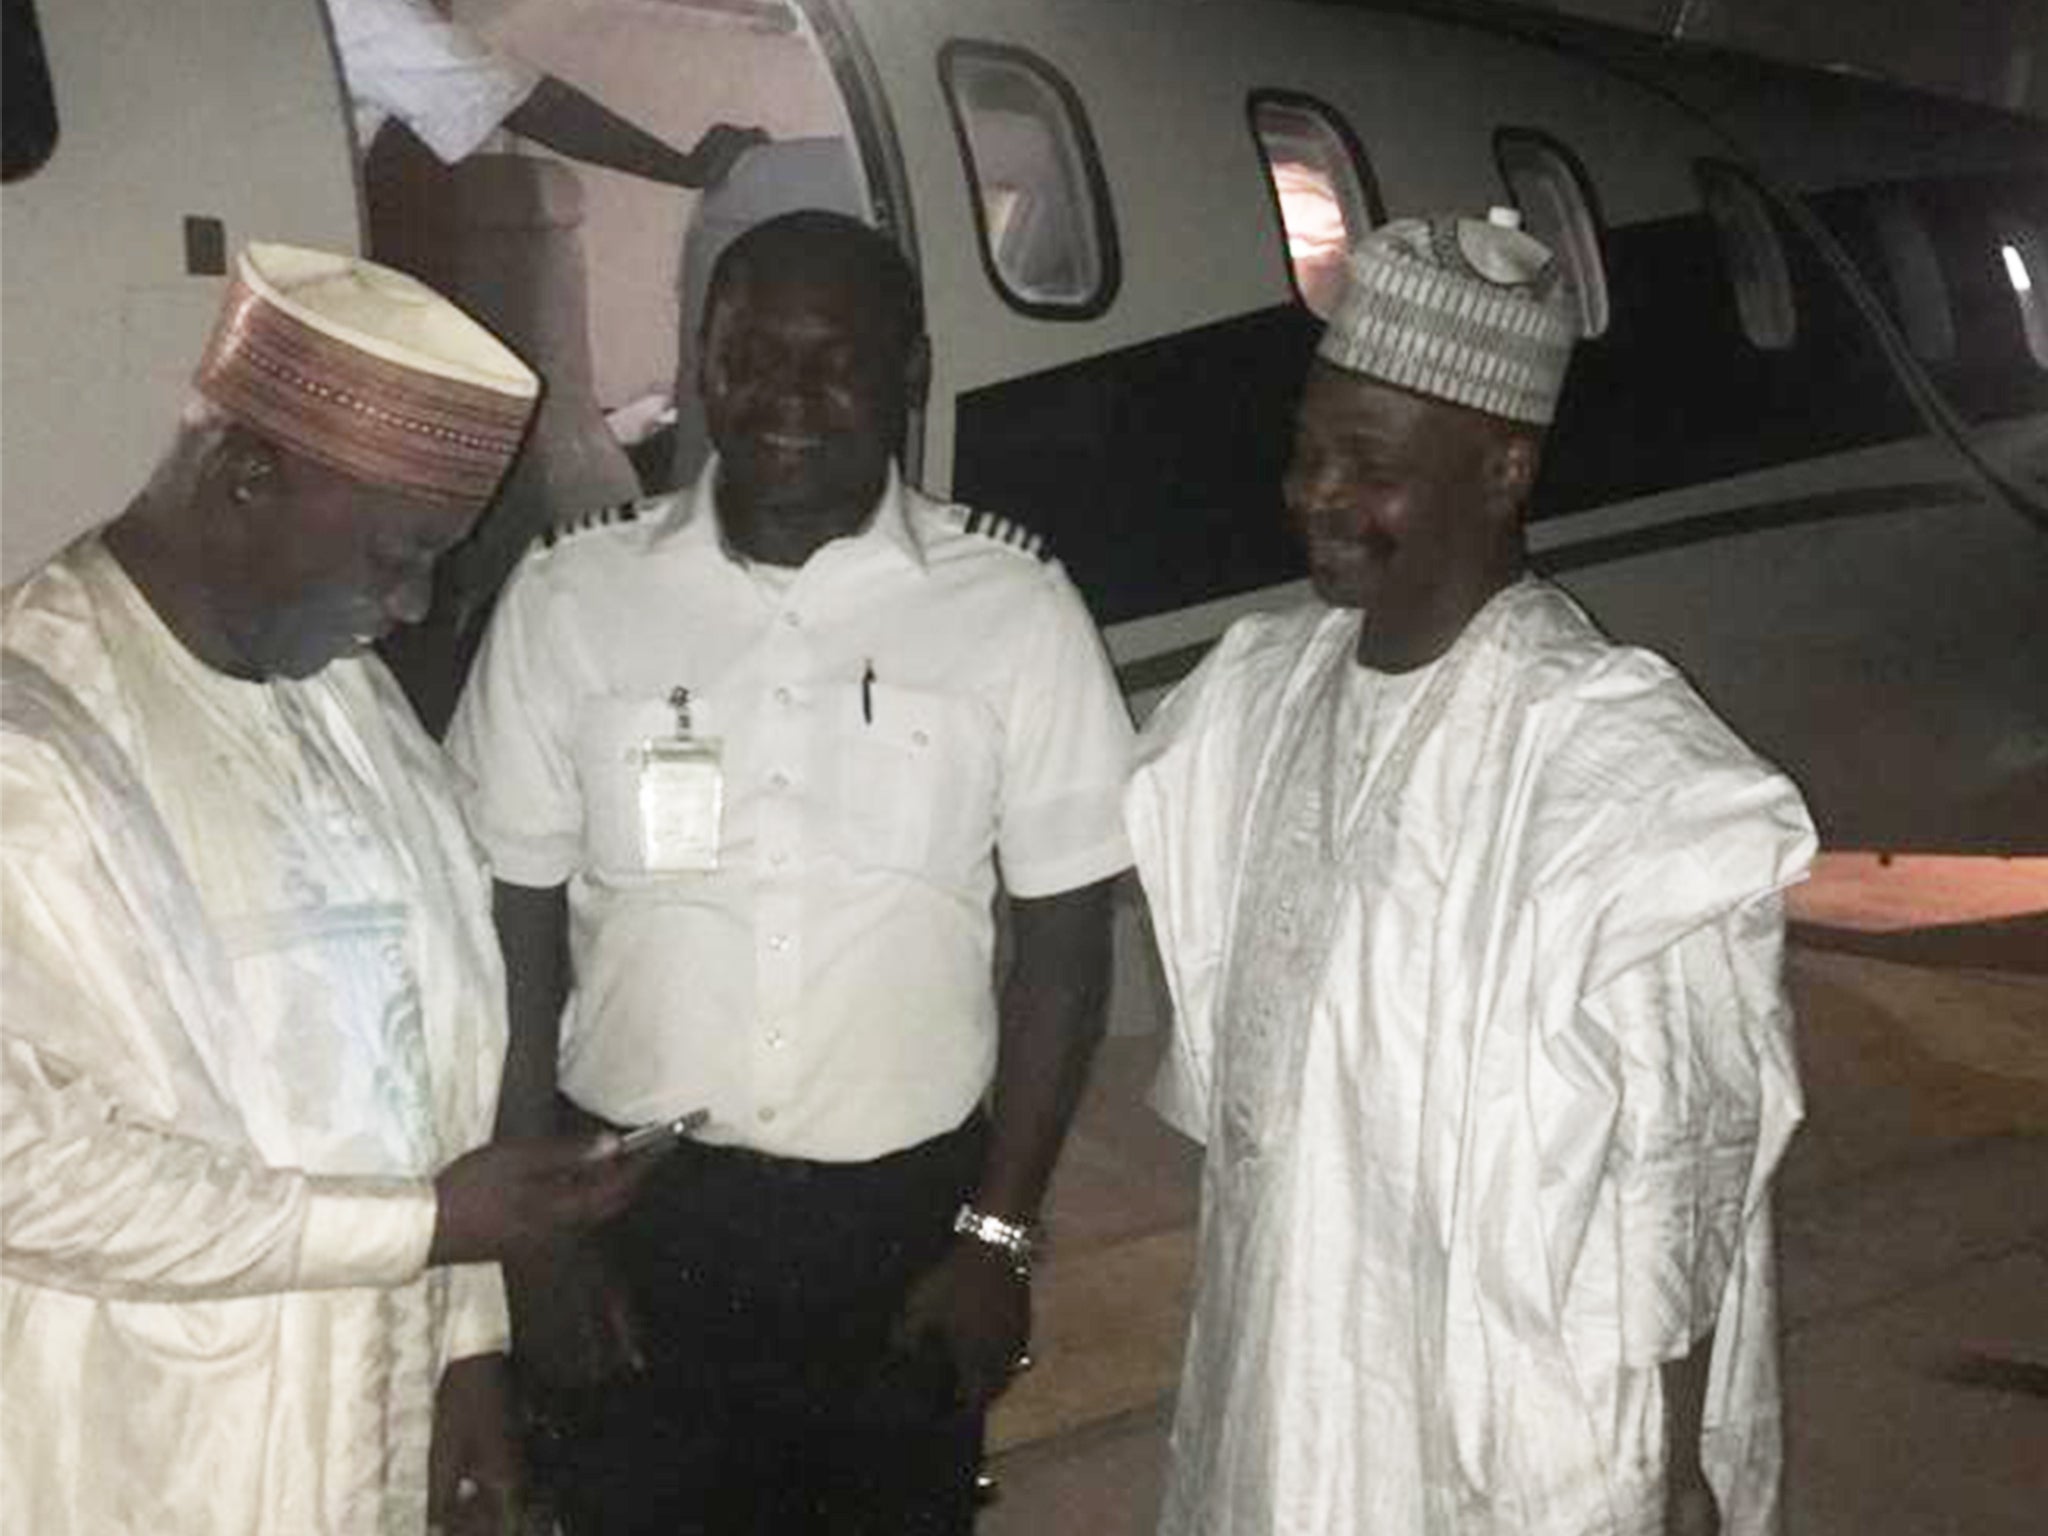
(367, 371)
(1472, 312)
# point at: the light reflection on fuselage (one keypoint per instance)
(1885, 893)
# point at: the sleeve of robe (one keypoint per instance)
(107, 1186)
(1709, 1097)
(1174, 810)
(1709, 1100)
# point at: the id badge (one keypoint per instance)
(681, 798)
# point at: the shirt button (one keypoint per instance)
(778, 780)
(920, 738)
(782, 696)
(776, 1039)
(792, 618)
(778, 858)
(778, 942)
(765, 1116)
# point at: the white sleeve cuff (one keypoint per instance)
(365, 1232)
(479, 1322)
(460, 128)
(1053, 877)
(538, 864)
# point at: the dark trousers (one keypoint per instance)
(773, 1403)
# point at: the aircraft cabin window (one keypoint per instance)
(1039, 198)
(2024, 260)
(1556, 199)
(1322, 190)
(27, 105)
(1752, 254)
(1916, 280)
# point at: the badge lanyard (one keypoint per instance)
(681, 796)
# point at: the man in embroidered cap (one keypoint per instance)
(1471, 919)
(253, 1008)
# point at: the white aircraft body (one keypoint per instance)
(1804, 450)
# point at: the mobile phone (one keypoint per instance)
(662, 1133)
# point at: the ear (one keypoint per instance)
(708, 326)
(245, 469)
(1511, 473)
(917, 372)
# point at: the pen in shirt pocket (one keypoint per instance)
(867, 694)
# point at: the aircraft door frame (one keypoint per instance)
(876, 142)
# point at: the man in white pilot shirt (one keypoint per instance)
(889, 694)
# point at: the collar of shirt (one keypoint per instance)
(888, 531)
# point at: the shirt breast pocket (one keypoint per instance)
(915, 775)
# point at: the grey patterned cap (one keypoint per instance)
(1472, 312)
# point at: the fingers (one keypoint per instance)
(480, 1509)
(478, 1499)
(575, 1182)
(511, 1195)
(622, 1329)
(720, 149)
(988, 1374)
(919, 1316)
(562, 1155)
(573, 1324)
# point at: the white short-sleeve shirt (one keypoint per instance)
(400, 58)
(914, 704)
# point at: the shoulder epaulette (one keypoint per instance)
(987, 525)
(610, 517)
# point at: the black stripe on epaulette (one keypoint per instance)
(988, 525)
(624, 512)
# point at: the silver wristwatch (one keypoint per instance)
(1016, 1239)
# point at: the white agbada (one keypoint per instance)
(1486, 1038)
(251, 1001)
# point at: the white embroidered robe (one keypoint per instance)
(1488, 1046)
(251, 1001)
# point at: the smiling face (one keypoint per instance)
(311, 564)
(810, 361)
(1409, 509)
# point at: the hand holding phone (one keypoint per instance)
(661, 1134)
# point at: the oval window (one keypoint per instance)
(1550, 188)
(1916, 280)
(2024, 262)
(1322, 190)
(1039, 197)
(1752, 255)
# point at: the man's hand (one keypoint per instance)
(572, 1324)
(512, 1194)
(476, 1478)
(1690, 1510)
(1689, 1507)
(979, 1308)
(712, 158)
